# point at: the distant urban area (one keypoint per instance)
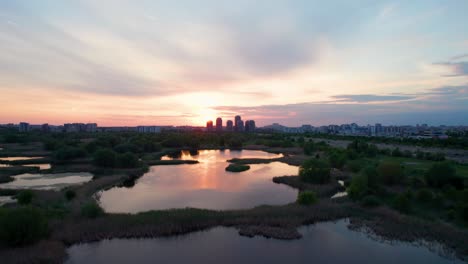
(422, 131)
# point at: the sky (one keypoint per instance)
(294, 62)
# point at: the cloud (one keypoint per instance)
(367, 98)
(443, 105)
(457, 68)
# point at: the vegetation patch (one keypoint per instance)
(237, 168)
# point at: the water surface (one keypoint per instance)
(19, 158)
(204, 185)
(47, 181)
(6, 199)
(321, 243)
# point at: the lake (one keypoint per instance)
(321, 243)
(19, 158)
(40, 181)
(204, 185)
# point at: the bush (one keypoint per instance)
(355, 165)
(25, 197)
(440, 174)
(127, 160)
(397, 153)
(337, 159)
(126, 147)
(70, 195)
(306, 198)
(315, 171)
(390, 172)
(371, 201)
(22, 226)
(68, 153)
(237, 168)
(358, 187)
(402, 203)
(424, 196)
(309, 148)
(91, 210)
(105, 158)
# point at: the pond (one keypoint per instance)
(321, 243)
(204, 185)
(6, 199)
(56, 181)
(44, 166)
(18, 158)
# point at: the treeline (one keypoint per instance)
(458, 141)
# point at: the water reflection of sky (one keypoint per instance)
(19, 158)
(204, 185)
(321, 243)
(46, 181)
(221, 155)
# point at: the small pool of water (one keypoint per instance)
(6, 200)
(204, 185)
(321, 243)
(19, 158)
(206, 155)
(45, 166)
(47, 181)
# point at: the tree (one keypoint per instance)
(25, 197)
(390, 172)
(337, 159)
(22, 226)
(359, 187)
(440, 174)
(105, 158)
(402, 203)
(306, 198)
(315, 171)
(127, 160)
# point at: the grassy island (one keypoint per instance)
(237, 168)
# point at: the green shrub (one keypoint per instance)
(68, 153)
(22, 226)
(315, 171)
(91, 210)
(70, 195)
(127, 160)
(397, 152)
(355, 165)
(237, 167)
(424, 196)
(358, 187)
(105, 158)
(306, 198)
(402, 203)
(25, 197)
(371, 201)
(337, 159)
(440, 174)
(390, 172)
(309, 148)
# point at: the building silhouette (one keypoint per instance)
(219, 124)
(250, 126)
(229, 126)
(209, 126)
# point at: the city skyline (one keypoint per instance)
(289, 62)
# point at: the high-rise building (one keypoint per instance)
(23, 127)
(209, 126)
(249, 126)
(240, 126)
(45, 128)
(229, 125)
(237, 120)
(219, 124)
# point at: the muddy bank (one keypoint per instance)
(270, 232)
